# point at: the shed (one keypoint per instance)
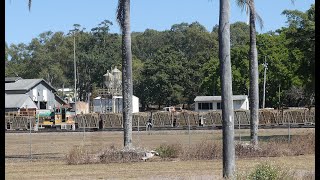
(205, 103)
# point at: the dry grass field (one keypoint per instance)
(49, 151)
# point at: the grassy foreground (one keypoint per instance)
(49, 152)
(52, 169)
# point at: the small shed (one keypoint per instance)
(206, 103)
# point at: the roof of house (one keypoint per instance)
(26, 84)
(218, 98)
(11, 79)
(17, 100)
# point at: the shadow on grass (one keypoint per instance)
(37, 156)
(267, 138)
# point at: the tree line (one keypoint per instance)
(173, 66)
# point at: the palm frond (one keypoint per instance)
(243, 4)
(120, 13)
(259, 19)
(29, 5)
(257, 16)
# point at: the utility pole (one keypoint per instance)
(75, 73)
(265, 65)
(279, 95)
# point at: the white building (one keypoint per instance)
(103, 105)
(206, 103)
(30, 93)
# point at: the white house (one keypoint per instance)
(113, 104)
(33, 93)
(206, 103)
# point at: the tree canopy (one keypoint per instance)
(174, 66)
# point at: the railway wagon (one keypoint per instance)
(161, 119)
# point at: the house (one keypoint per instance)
(30, 93)
(205, 103)
(114, 104)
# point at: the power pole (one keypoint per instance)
(279, 95)
(226, 91)
(75, 73)
(265, 65)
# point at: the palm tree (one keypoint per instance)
(248, 5)
(226, 89)
(123, 18)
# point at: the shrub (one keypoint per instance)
(169, 150)
(205, 150)
(78, 155)
(113, 155)
(266, 171)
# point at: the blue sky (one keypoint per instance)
(60, 15)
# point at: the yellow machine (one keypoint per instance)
(60, 117)
(63, 116)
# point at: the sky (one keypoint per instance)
(21, 26)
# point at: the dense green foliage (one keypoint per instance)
(174, 66)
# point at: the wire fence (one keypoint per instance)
(23, 141)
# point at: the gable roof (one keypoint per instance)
(18, 100)
(26, 85)
(218, 98)
(11, 79)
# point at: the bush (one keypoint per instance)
(113, 155)
(206, 150)
(78, 155)
(266, 171)
(169, 150)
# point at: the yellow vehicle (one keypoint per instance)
(61, 118)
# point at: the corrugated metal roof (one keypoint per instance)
(22, 84)
(25, 84)
(11, 79)
(218, 98)
(16, 100)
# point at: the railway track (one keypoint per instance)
(143, 128)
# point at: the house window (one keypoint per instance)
(205, 106)
(219, 105)
(43, 105)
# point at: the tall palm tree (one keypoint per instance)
(123, 17)
(248, 5)
(226, 89)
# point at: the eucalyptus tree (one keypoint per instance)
(226, 90)
(123, 18)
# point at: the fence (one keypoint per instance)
(47, 150)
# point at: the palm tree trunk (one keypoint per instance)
(127, 89)
(226, 90)
(254, 77)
